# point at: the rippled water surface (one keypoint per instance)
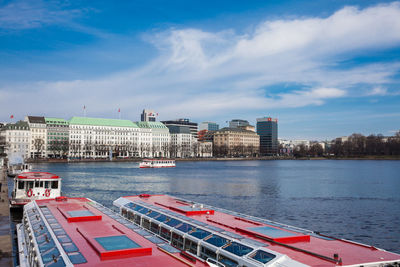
(357, 200)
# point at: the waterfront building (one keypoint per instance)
(236, 123)
(205, 149)
(15, 140)
(209, 126)
(148, 115)
(267, 129)
(235, 142)
(38, 145)
(105, 138)
(248, 127)
(183, 122)
(160, 137)
(57, 137)
(183, 143)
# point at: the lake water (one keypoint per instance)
(356, 200)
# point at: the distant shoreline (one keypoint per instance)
(217, 159)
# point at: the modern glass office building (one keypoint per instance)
(267, 129)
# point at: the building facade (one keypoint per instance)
(204, 149)
(148, 115)
(15, 138)
(236, 142)
(236, 123)
(104, 138)
(161, 138)
(267, 129)
(193, 127)
(209, 126)
(57, 137)
(183, 143)
(38, 145)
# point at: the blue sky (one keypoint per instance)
(323, 68)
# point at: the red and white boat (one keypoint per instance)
(30, 186)
(160, 230)
(80, 232)
(211, 236)
(157, 163)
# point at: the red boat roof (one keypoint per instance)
(92, 235)
(301, 245)
(37, 175)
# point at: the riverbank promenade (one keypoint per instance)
(5, 231)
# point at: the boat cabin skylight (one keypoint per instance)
(110, 243)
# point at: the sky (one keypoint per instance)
(324, 68)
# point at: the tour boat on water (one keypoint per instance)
(157, 163)
(160, 230)
(217, 237)
(15, 169)
(81, 232)
(30, 186)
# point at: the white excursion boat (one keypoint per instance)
(30, 186)
(157, 163)
(15, 169)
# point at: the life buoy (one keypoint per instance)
(29, 193)
(47, 192)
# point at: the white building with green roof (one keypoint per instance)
(103, 138)
(160, 137)
(57, 137)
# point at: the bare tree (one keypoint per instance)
(38, 144)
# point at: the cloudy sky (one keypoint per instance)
(323, 68)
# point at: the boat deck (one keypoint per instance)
(300, 245)
(78, 231)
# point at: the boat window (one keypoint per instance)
(165, 233)
(173, 222)
(262, 256)
(21, 185)
(162, 218)
(217, 240)
(207, 253)
(54, 185)
(185, 227)
(137, 219)
(30, 184)
(154, 227)
(191, 246)
(46, 184)
(177, 241)
(200, 234)
(238, 249)
(146, 223)
(41, 184)
(36, 183)
(153, 214)
(227, 261)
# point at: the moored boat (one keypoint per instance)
(157, 163)
(15, 169)
(219, 237)
(30, 186)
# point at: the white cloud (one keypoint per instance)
(202, 73)
(378, 91)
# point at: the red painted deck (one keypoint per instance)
(83, 230)
(305, 248)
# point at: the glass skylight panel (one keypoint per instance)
(116, 242)
(238, 249)
(185, 227)
(217, 241)
(80, 213)
(262, 256)
(173, 222)
(200, 233)
(162, 218)
(153, 214)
